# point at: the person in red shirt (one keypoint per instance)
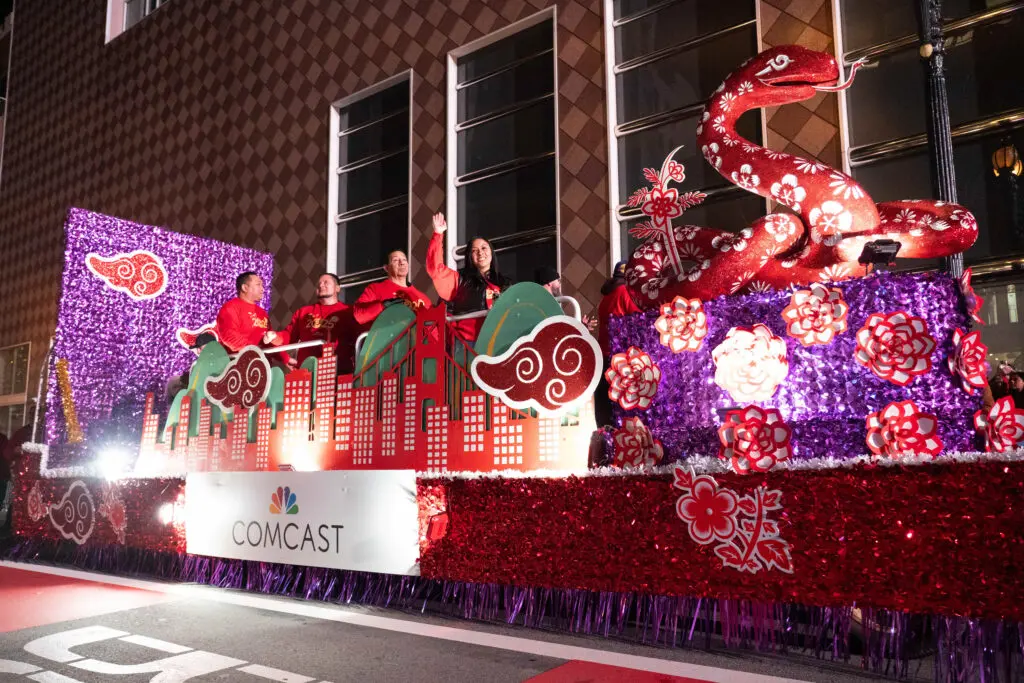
(472, 289)
(241, 322)
(328, 319)
(616, 301)
(396, 288)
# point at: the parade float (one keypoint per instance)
(800, 449)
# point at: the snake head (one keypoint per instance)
(789, 73)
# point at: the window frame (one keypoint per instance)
(863, 155)
(990, 125)
(375, 274)
(456, 252)
(618, 213)
(12, 400)
(117, 16)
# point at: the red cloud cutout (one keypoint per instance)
(557, 366)
(187, 337)
(140, 274)
(244, 383)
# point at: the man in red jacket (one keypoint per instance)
(241, 322)
(328, 319)
(395, 288)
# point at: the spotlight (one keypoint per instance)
(112, 463)
(166, 513)
(880, 252)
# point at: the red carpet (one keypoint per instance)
(587, 672)
(33, 599)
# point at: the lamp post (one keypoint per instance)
(940, 138)
(1007, 165)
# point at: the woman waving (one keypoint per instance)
(471, 289)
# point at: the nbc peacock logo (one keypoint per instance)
(284, 499)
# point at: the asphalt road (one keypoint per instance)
(62, 626)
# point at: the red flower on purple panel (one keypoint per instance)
(968, 360)
(902, 429)
(754, 439)
(895, 347)
(1003, 426)
(815, 316)
(682, 325)
(635, 446)
(633, 379)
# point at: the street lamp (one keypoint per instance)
(1006, 163)
(1006, 160)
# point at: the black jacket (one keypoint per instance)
(471, 294)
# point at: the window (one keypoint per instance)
(13, 387)
(667, 57)
(123, 14)
(502, 161)
(888, 153)
(888, 142)
(368, 199)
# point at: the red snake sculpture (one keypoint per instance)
(833, 217)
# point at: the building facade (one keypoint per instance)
(329, 132)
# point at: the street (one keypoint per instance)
(62, 626)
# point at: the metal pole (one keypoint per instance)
(940, 138)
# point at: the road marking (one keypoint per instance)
(448, 633)
(275, 674)
(155, 644)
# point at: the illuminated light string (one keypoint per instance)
(67, 402)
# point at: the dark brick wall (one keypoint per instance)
(211, 117)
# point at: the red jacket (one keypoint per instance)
(333, 323)
(617, 302)
(371, 302)
(446, 282)
(241, 324)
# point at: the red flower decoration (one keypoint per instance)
(662, 205)
(968, 360)
(1003, 426)
(633, 379)
(754, 439)
(112, 508)
(34, 504)
(682, 325)
(895, 347)
(971, 298)
(815, 316)
(675, 171)
(710, 512)
(635, 446)
(750, 363)
(902, 429)
(714, 514)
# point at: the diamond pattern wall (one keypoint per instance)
(212, 118)
(809, 128)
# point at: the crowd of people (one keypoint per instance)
(472, 289)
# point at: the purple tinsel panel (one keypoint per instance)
(117, 348)
(827, 395)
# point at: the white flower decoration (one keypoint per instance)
(811, 167)
(746, 178)
(710, 153)
(844, 187)
(789, 192)
(829, 219)
(732, 240)
(750, 363)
